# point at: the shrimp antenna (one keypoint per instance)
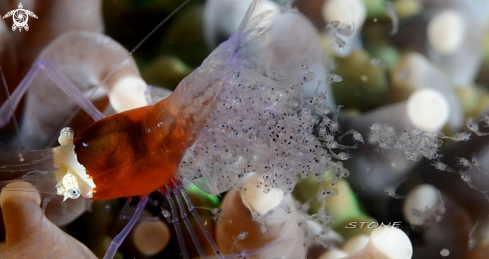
(125, 59)
(12, 110)
(139, 44)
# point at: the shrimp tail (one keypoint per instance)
(117, 241)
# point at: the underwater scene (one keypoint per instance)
(265, 129)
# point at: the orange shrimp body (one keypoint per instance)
(122, 157)
(138, 151)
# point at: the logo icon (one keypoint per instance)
(20, 17)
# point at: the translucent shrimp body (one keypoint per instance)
(226, 117)
(136, 152)
(264, 119)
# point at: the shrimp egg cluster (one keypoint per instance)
(271, 117)
(263, 126)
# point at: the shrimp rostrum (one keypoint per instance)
(226, 119)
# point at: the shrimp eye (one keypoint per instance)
(73, 193)
(216, 211)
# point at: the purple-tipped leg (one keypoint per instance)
(217, 252)
(201, 224)
(117, 241)
(59, 79)
(190, 229)
(176, 224)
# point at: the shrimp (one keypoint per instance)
(391, 190)
(200, 132)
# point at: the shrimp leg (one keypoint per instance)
(5, 109)
(217, 252)
(187, 223)
(174, 220)
(117, 241)
(59, 79)
(197, 218)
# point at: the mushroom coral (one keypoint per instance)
(26, 237)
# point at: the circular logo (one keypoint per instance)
(20, 18)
